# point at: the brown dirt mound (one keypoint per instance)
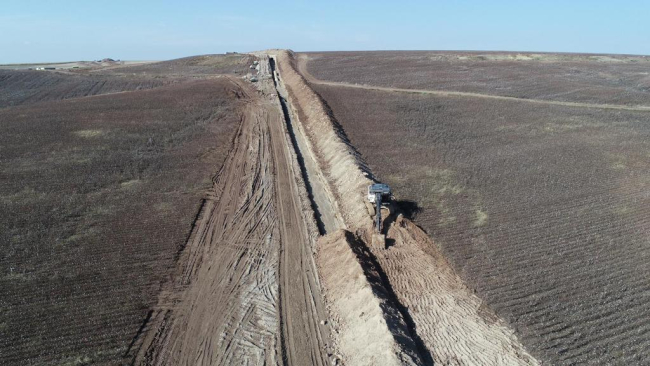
(452, 323)
(368, 329)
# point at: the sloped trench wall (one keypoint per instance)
(447, 323)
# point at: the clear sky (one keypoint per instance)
(64, 30)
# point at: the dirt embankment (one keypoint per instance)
(445, 322)
(367, 328)
(365, 318)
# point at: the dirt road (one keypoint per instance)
(246, 290)
(301, 306)
(303, 60)
(325, 206)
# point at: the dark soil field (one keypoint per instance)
(206, 65)
(543, 209)
(24, 87)
(562, 77)
(30, 86)
(97, 196)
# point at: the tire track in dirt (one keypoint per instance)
(323, 202)
(221, 308)
(304, 337)
(246, 289)
(302, 68)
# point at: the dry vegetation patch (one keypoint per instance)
(204, 65)
(31, 86)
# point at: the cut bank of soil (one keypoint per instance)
(457, 330)
(370, 329)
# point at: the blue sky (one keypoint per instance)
(48, 31)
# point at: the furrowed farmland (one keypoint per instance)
(23, 87)
(188, 67)
(29, 86)
(611, 79)
(98, 197)
(541, 207)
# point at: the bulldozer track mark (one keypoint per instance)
(246, 289)
(223, 300)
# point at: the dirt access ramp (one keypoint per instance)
(245, 290)
(445, 320)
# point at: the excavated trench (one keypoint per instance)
(437, 316)
(321, 203)
(257, 284)
(380, 282)
(319, 199)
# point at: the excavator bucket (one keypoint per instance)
(378, 193)
(378, 240)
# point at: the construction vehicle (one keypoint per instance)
(380, 195)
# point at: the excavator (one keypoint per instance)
(379, 194)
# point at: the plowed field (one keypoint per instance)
(597, 79)
(25, 87)
(97, 197)
(541, 207)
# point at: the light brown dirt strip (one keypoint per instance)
(443, 315)
(246, 289)
(451, 321)
(304, 340)
(302, 67)
(221, 309)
